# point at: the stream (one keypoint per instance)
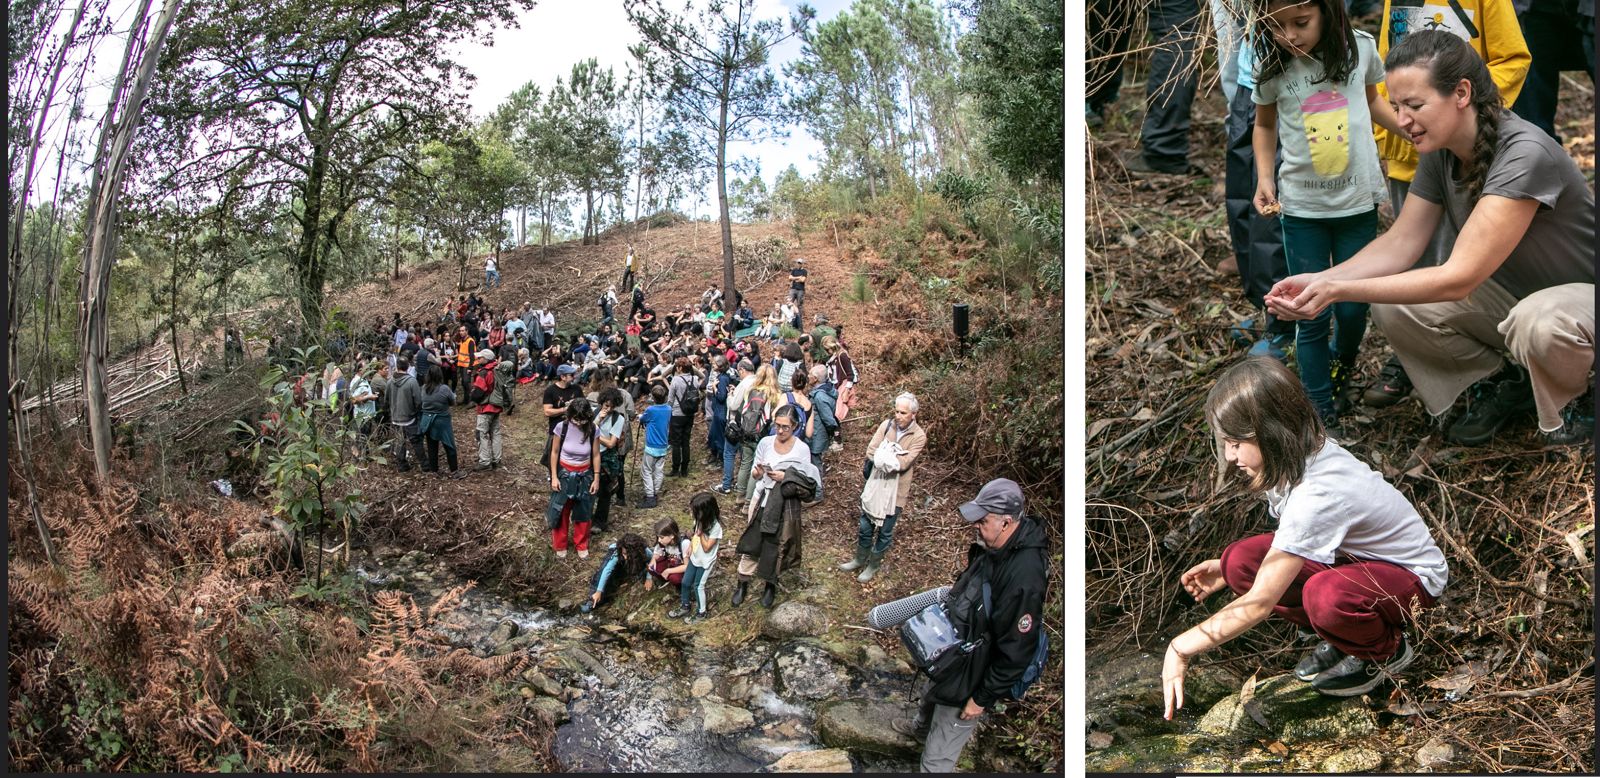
(636, 697)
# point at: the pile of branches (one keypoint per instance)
(1505, 671)
(760, 259)
(149, 648)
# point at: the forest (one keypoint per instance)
(211, 198)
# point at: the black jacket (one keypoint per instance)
(1017, 574)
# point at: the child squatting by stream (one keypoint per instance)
(1350, 558)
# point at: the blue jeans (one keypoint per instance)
(885, 533)
(694, 581)
(730, 452)
(714, 436)
(491, 278)
(1312, 245)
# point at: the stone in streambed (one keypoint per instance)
(720, 719)
(1436, 753)
(859, 725)
(828, 760)
(553, 710)
(542, 683)
(1353, 760)
(701, 687)
(1161, 753)
(1294, 711)
(793, 619)
(805, 670)
(590, 665)
(502, 632)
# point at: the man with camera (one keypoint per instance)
(1009, 554)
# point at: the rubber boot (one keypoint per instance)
(769, 595)
(740, 590)
(873, 563)
(861, 559)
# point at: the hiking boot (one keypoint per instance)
(1493, 402)
(1320, 658)
(482, 466)
(1243, 334)
(1137, 165)
(1392, 386)
(1345, 390)
(1577, 424)
(1275, 346)
(740, 590)
(769, 595)
(910, 726)
(677, 613)
(862, 552)
(1353, 676)
(694, 618)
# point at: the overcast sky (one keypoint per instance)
(557, 34)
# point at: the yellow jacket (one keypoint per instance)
(1499, 42)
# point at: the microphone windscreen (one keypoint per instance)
(894, 612)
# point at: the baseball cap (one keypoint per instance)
(566, 370)
(486, 355)
(800, 260)
(1001, 496)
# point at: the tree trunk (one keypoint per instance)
(172, 320)
(397, 248)
(100, 247)
(722, 183)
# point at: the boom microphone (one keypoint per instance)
(892, 613)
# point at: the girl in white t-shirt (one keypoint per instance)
(704, 539)
(1350, 557)
(1316, 94)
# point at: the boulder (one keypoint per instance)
(518, 643)
(805, 670)
(766, 749)
(542, 683)
(1353, 760)
(1123, 694)
(701, 687)
(553, 710)
(1435, 753)
(827, 760)
(860, 725)
(1157, 754)
(590, 665)
(1293, 711)
(793, 619)
(720, 719)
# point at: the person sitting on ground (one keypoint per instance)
(525, 368)
(669, 557)
(625, 561)
(1349, 557)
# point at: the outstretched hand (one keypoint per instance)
(1300, 297)
(1204, 579)
(1172, 670)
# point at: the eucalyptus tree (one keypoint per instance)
(1013, 62)
(465, 189)
(712, 67)
(300, 102)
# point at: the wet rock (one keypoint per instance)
(1293, 711)
(542, 683)
(1161, 753)
(566, 604)
(1123, 694)
(805, 670)
(518, 643)
(527, 692)
(740, 690)
(1353, 760)
(859, 725)
(1099, 740)
(555, 711)
(720, 719)
(701, 687)
(590, 665)
(1436, 753)
(768, 749)
(828, 760)
(575, 633)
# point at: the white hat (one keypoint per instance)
(486, 355)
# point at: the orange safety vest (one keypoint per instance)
(464, 352)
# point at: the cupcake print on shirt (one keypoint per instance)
(1327, 117)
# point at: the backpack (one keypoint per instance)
(689, 401)
(482, 385)
(800, 423)
(747, 424)
(1041, 654)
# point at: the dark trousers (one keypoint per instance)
(1174, 24)
(610, 484)
(433, 456)
(678, 432)
(1257, 240)
(1548, 28)
(1359, 607)
(714, 435)
(464, 378)
(1314, 245)
(407, 439)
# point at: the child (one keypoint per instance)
(702, 555)
(669, 557)
(1350, 558)
(1316, 94)
(655, 419)
(624, 561)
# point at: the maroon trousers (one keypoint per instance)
(1358, 607)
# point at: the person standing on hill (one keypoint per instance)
(495, 385)
(491, 273)
(555, 400)
(887, 490)
(1007, 567)
(405, 409)
(466, 346)
(627, 271)
(797, 282)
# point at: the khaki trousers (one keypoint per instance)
(1447, 347)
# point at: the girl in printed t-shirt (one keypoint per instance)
(1350, 557)
(1316, 94)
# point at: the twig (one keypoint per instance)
(1566, 683)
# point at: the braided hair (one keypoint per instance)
(1451, 60)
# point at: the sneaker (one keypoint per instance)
(720, 489)
(1321, 658)
(1353, 676)
(694, 618)
(588, 605)
(1243, 334)
(1275, 346)
(562, 554)
(1392, 386)
(677, 613)
(1577, 424)
(835, 448)
(1343, 397)
(482, 466)
(1493, 402)
(583, 553)
(911, 727)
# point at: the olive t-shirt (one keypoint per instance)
(1558, 247)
